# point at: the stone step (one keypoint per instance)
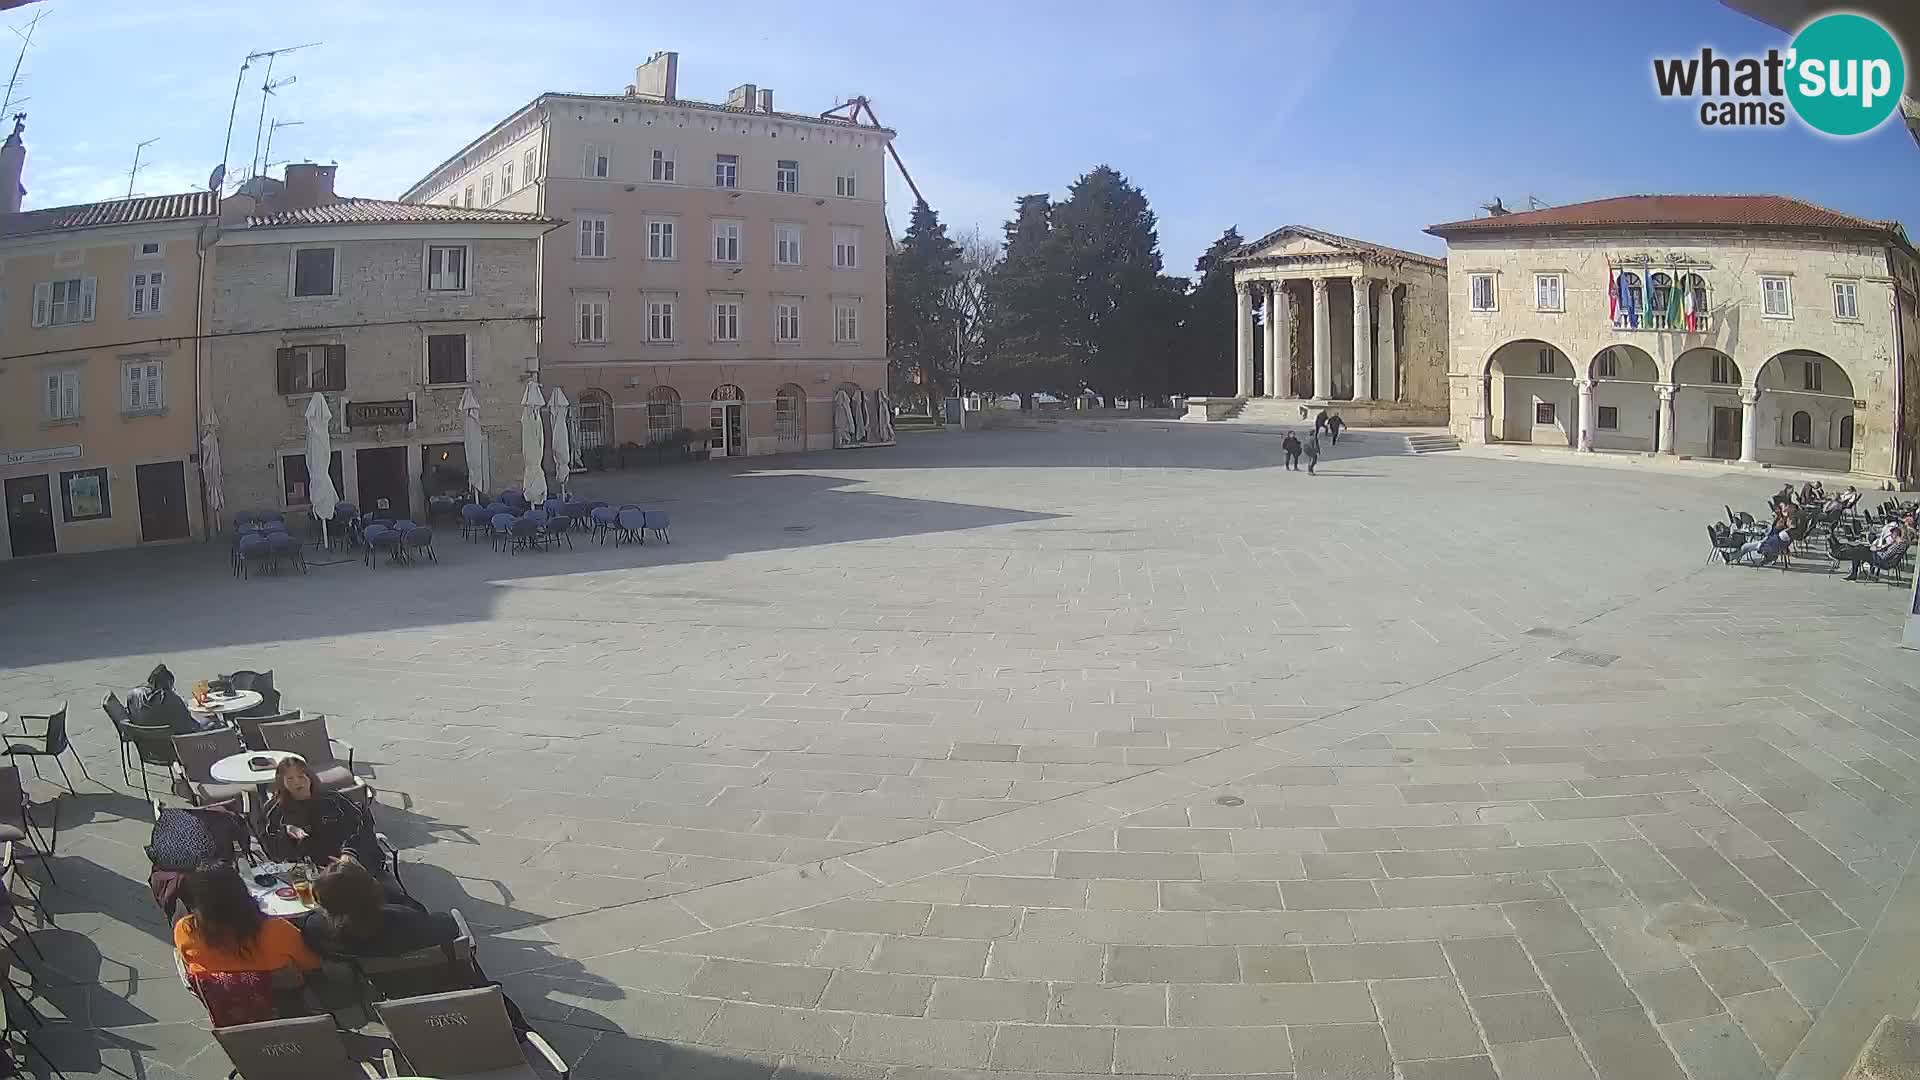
(1432, 444)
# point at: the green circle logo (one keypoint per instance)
(1846, 74)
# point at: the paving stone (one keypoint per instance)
(1816, 914)
(1389, 960)
(931, 956)
(1274, 963)
(741, 1026)
(1340, 1052)
(1469, 1068)
(1774, 1022)
(1026, 892)
(1714, 1048)
(872, 992)
(1426, 1018)
(988, 999)
(1622, 1043)
(1623, 933)
(1559, 1059)
(1328, 895)
(1097, 1004)
(1172, 963)
(1342, 865)
(1510, 1018)
(1733, 971)
(1027, 1048)
(1547, 927)
(1423, 924)
(1046, 961)
(1143, 865)
(1488, 966)
(1270, 1003)
(1585, 983)
(1219, 896)
(954, 921)
(1236, 1050)
(1674, 994)
(1812, 979)
(768, 984)
(913, 1041)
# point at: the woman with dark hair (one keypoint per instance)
(306, 822)
(154, 704)
(356, 919)
(227, 932)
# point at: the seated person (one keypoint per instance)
(154, 704)
(1889, 546)
(305, 822)
(231, 948)
(1812, 493)
(1764, 550)
(1784, 495)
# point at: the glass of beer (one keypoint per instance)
(302, 882)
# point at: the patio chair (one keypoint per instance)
(255, 551)
(559, 527)
(500, 528)
(383, 538)
(13, 800)
(273, 517)
(656, 522)
(198, 752)
(249, 726)
(539, 517)
(260, 682)
(604, 519)
(50, 741)
(152, 745)
(9, 875)
(14, 1005)
(523, 534)
(285, 547)
(297, 1048)
(1724, 544)
(633, 526)
(473, 521)
(465, 1034)
(308, 737)
(433, 970)
(419, 541)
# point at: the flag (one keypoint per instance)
(1613, 296)
(1692, 322)
(1674, 301)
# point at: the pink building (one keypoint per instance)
(723, 268)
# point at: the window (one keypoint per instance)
(1810, 376)
(1846, 300)
(843, 186)
(313, 271)
(62, 401)
(663, 167)
(295, 479)
(526, 165)
(146, 384)
(506, 178)
(726, 321)
(469, 195)
(1776, 297)
(1607, 366)
(592, 311)
(846, 249)
(84, 495)
(148, 249)
(63, 303)
(302, 369)
(486, 190)
(447, 267)
(726, 241)
(659, 320)
(593, 236)
(660, 240)
(1801, 432)
(1846, 433)
(599, 162)
(1544, 365)
(593, 420)
(726, 170)
(446, 359)
(1543, 412)
(146, 291)
(786, 322)
(663, 413)
(846, 322)
(1480, 289)
(1546, 292)
(787, 402)
(786, 245)
(786, 176)
(1723, 373)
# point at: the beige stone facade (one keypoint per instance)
(1341, 321)
(1793, 343)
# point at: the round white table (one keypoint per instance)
(225, 704)
(268, 897)
(234, 768)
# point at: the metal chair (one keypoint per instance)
(249, 726)
(198, 752)
(260, 682)
(152, 745)
(419, 541)
(13, 800)
(10, 873)
(473, 521)
(49, 742)
(633, 527)
(500, 528)
(656, 523)
(464, 1034)
(255, 550)
(285, 546)
(297, 1048)
(523, 534)
(604, 520)
(383, 537)
(457, 960)
(12, 1005)
(559, 527)
(309, 739)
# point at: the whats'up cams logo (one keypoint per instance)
(1842, 75)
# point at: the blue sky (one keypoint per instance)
(1373, 119)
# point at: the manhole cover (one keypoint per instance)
(1230, 800)
(1582, 656)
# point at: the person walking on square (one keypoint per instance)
(1313, 452)
(1320, 422)
(1334, 424)
(1292, 446)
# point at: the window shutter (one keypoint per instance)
(42, 300)
(133, 387)
(86, 299)
(337, 367)
(53, 396)
(283, 364)
(70, 394)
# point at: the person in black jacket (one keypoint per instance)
(304, 822)
(1291, 444)
(1334, 424)
(355, 919)
(154, 704)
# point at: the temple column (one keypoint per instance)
(1583, 427)
(1243, 306)
(1322, 343)
(1664, 423)
(1749, 439)
(1389, 388)
(1266, 340)
(1362, 339)
(1280, 381)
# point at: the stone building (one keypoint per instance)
(724, 268)
(1339, 321)
(1752, 327)
(393, 311)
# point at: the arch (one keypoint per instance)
(1530, 395)
(663, 413)
(1846, 432)
(1626, 407)
(790, 417)
(1707, 384)
(1800, 428)
(1706, 366)
(592, 421)
(727, 421)
(728, 392)
(1804, 415)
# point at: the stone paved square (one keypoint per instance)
(1100, 748)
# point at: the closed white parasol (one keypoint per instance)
(560, 414)
(321, 496)
(533, 445)
(210, 467)
(474, 439)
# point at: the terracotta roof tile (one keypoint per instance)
(1346, 243)
(1672, 211)
(388, 212)
(147, 208)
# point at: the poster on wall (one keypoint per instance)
(83, 495)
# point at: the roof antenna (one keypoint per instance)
(13, 81)
(1535, 203)
(1495, 208)
(135, 171)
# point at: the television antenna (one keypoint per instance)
(217, 181)
(266, 156)
(13, 80)
(135, 171)
(266, 91)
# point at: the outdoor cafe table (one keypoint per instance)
(235, 768)
(225, 705)
(268, 896)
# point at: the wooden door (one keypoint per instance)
(30, 515)
(163, 501)
(1726, 432)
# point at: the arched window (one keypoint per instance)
(1629, 311)
(1802, 434)
(1694, 303)
(663, 413)
(729, 392)
(1607, 366)
(1659, 296)
(592, 421)
(1846, 433)
(790, 415)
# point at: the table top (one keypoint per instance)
(267, 897)
(233, 769)
(226, 704)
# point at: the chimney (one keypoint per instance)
(743, 97)
(658, 78)
(766, 100)
(308, 185)
(13, 163)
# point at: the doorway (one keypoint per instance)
(1726, 433)
(727, 421)
(384, 483)
(163, 501)
(30, 515)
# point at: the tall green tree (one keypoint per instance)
(1022, 332)
(1207, 340)
(1119, 304)
(922, 324)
